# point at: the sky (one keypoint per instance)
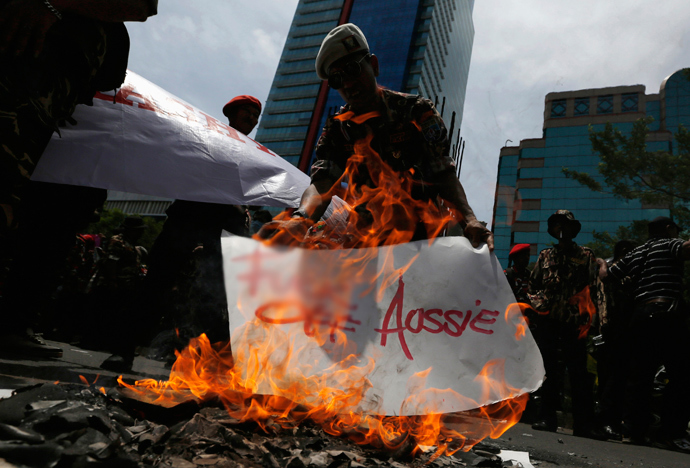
(207, 52)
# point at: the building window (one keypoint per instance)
(629, 102)
(605, 104)
(581, 106)
(558, 108)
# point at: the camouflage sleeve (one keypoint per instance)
(536, 294)
(436, 138)
(594, 282)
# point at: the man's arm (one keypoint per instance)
(313, 204)
(25, 23)
(315, 200)
(451, 190)
(603, 269)
(685, 249)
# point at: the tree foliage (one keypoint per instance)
(631, 172)
(603, 242)
(112, 219)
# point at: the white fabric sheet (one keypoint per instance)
(144, 140)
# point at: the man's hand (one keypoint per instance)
(286, 232)
(23, 27)
(477, 233)
(603, 268)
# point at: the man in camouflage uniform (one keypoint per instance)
(517, 273)
(405, 130)
(116, 289)
(562, 282)
(54, 54)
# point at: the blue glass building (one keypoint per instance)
(531, 185)
(424, 47)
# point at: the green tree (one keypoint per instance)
(112, 219)
(603, 242)
(631, 172)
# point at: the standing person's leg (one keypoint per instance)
(645, 360)
(581, 382)
(549, 337)
(35, 95)
(611, 404)
(675, 411)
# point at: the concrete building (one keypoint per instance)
(424, 47)
(136, 204)
(531, 185)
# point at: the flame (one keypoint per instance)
(515, 314)
(586, 307)
(268, 379)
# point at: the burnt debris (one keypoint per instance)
(68, 425)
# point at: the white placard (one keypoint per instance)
(416, 316)
(144, 140)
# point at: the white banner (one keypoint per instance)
(144, 140)
(416, 317)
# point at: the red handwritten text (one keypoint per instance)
(312, 318)
(452, 322)
(127, 96)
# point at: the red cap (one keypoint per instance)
(241, 101)
(517, 248)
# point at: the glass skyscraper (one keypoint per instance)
(531, 185)
(424, 47)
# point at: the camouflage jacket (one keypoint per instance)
(559, 274)
(407, 132)
(120, 267)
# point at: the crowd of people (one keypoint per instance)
(182, 282)
(631, 309)
(56, 54)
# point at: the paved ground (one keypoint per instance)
(561, 449)
(74, 363)
(545, 449)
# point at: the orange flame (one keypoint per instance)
(266, 380)
(586, 307)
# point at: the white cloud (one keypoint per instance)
(524, 50)
(206, 52)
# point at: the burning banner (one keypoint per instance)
(142, 139)
(411, 329)
(349, 337)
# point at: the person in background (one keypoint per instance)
(658, 333)
(190, 238)
(615, 308)
(517, 272)
(54, 55)
(115, 290)
(563, 277)
(259, 218)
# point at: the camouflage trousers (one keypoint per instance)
(36, 96)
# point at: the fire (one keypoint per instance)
(584, 303)
(270, 380)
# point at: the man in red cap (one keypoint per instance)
(517, 272)
(243, 113)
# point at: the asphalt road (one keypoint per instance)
(561, 449)
(545, 449)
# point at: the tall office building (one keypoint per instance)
(531, 185)
(424, 47)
